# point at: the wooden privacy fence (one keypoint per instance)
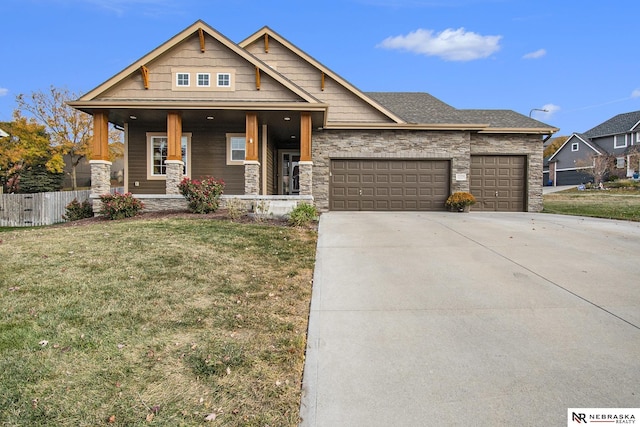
(27, 210)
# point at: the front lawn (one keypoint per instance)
(168, 322)
(614, 203)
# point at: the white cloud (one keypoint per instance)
(535, 55)
(4, 91)
(635, 93)
(450, 44)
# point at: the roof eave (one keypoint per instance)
(88, 106)
(407, 126)
(536, 131)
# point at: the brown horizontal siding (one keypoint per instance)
(208, 158)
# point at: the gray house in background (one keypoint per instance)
(618, 136)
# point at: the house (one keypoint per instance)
(618, 137)
(277, 125)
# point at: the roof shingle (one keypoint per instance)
(423, 108)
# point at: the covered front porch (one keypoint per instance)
(261, 154)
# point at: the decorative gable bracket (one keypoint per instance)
(145, 76)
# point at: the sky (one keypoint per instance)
(576, 59)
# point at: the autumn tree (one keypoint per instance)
(27, 151)
(70, 130)
(554, 145)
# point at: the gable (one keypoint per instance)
(197, 49)
(565, 153)
(187, 59)
(346, 103)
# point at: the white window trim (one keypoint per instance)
(575, 146)
(181, 73)
(198, 79)
(615, 141)
(620, 162)
(155, 177)
(229, 160)
(218, 80)
(637, 137)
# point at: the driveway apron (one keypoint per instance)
(484, 319)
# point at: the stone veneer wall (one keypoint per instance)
(251, 178)
(100, 182)
(456, 146)
(517, 144)
(371, 144)
(174, 176)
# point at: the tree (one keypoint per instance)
(70, 130)
(555, 144)
(597, 166)
(27, 149)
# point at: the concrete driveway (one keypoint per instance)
(483, 319)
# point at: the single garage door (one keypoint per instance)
(498, 183)
(388, 185)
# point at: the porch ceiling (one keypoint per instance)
(282, 125)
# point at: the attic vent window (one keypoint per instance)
(182, 79)
(224, 80)
(204, 80)
(575, 146)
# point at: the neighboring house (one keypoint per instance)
(277, 125)
(83, 173)
(3, 134)
(618, 136)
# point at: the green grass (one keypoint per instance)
(615, 203)
(164, 321)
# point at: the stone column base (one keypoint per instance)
(175, 170)
(251, 177)
(306, 178)
(100, 182)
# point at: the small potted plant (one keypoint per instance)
(460, 201)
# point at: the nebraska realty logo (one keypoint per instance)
(580, 416)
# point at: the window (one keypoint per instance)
(619, 142)
(224, 80)
(575, 146)
(619, 162)
(157, 149)
(637, 137)
(236, 145)
(182, 79)
(203, 80)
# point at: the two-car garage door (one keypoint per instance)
(498, 183)
(388, 185)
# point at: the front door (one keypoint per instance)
(289, 172)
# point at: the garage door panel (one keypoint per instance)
(498, 182)
(384, 184)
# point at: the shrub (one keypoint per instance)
(303, 214)
(460, 200)
(119, 206)
(202, 196)
(76, 210)
(235, 209)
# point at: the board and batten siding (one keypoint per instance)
(345, 106)
(187, 56)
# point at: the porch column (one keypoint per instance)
(175, 165)
(306, 164)
(100, 164)
(251, 163)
